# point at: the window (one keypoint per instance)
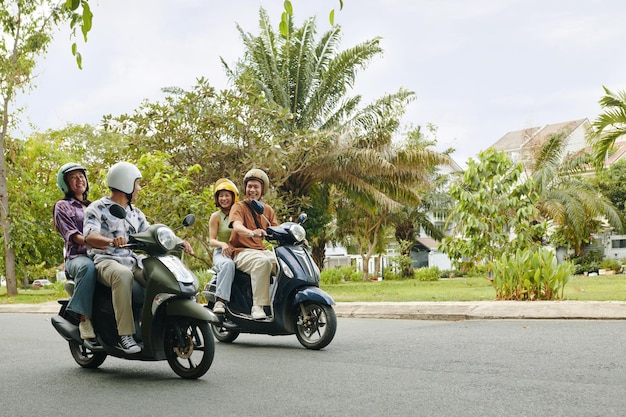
(618, 244)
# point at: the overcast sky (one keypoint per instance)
(479, 68)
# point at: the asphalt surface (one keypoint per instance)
(449, 310)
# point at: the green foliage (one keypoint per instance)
(331, 276)
(32, 167)
(343, 274)
(612, 182)
(403, 263)
(588, 262)
(608, 126)
(611, 265)
(431, 273)
(78, 19)
(575, 208)
(493, 211)
(530, 275)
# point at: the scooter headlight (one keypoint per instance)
(297, 232)
(166, 238)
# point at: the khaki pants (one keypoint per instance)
(258, 264)
(120, 279)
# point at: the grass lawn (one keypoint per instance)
(582, 288)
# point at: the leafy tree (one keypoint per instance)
(27, 30)
(32, 166)
(612, 183)
(494, 212)
(608, 126)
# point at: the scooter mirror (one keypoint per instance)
(189, 220)
(118, 211)
(257, 206)
(302, 218)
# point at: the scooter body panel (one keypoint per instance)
(312, 294)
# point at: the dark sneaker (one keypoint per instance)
(128, 344)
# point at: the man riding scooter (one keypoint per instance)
(249, 252)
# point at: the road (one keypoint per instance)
(374, 367)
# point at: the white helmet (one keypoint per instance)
(122, 177)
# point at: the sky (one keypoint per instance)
(478, 68)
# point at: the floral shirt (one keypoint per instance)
(68, 220)
(99, 219)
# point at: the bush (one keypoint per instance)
(450, 273)
(430, 273)
(531, 274)
(590, 262)
(336, 275)
(611, 265)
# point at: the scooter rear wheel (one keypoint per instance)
(189, 347)
(316, 328)
(224, 335)
(85, 357)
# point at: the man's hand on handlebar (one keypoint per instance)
(258, 233)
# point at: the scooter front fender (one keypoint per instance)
(313, 294)
(189, 308)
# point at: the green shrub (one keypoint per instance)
(356, 276)
(430, 273)
(450, 273)
(344, 273)
(531, 274)
(611, 265)
(331, 276)
(589, 262)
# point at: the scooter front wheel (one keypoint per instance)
(316, 325)
(85, 357)
(189, 347)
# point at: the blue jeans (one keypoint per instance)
(225, 270)
(82, 270)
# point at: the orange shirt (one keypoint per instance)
(242, 212)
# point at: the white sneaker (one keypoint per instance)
(219, 308)
(258, 313)
(86, 329)
(128, 345)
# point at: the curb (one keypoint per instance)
(486, 310)
(440, 310)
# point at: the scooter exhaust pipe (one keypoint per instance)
(66, 329)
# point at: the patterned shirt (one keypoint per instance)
(99, 219)
(68, 220)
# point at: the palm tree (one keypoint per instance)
(344, 147)
(608, 126)
(564, 197)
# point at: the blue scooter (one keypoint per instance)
(298, 305)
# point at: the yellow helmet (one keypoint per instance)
(259, 175)
(228, 185)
